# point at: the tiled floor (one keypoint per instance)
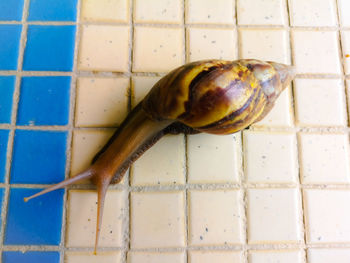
(70, 70)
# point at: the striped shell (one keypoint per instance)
(218, 96)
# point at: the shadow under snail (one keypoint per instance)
(212, 96)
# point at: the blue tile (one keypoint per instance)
(4, 135)
(7, 86)
(10, 36)
(36, 222)
(39, 157)
(52, 10)
(44, 101)
(1, 199)
(11, 10)
(30, 257)
(49, 48)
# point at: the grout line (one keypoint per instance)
(12, 127)
(73, 87)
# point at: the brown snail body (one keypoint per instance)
(212, 96)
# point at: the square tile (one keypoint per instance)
(316, 52)
(36, 222)
(158, 11)
(313, 13)
(345, 39)
(88, 257)
(30, 257)
(4, 136)
(52, 10)
(213, 159)
(104, 48)
(11, 10)
(273, 44)
(154, 257)
(270, 157)
(141, 85)
(332, 151)
(343, 7)
(86, 143)
(157, 49)
(163, 164)
(39, 157)
(327, 216)
(157, 220)
(10, 36)
(81, 220)
(49, 48)
(326, 255)
(274, 216)
(209, 256)
(7, 87)
(205, 43)
(327, 106)
(105, 10)
(281, 114)
(215, 217)
(261, 12)
(44, 101)
(101, 102)
(210, 12)
(285, 256)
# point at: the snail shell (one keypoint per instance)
(212, 96)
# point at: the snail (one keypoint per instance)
(212, 96)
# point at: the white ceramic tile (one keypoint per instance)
(262, 12)
(332, 151)
(104, 48)
(210, 12)
(316, 52)
(213, 159)
(163, 163)
(344, 7)
(82, 214)
(157, 49)
(141, 85)
(205, 43)
(327, 216)
(320, 102)
(326, 255)
(154, 257)
(158, 11)
(157, 220)
(274, 216)
(209, 256)
(346, 50)
(101, 102)
(273, 44)
(89, 257)
(281, 114)
(313, 13)
(215, 217)
(270, 157)
(275, 256)
(105, 10)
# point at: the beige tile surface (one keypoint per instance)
(154, 257)
(81, 221)
(101, 102)
(261, 12)
(213, 159)
(215, 218)
(105, 10)
(343, 7)
(157, 219)
(214, 256)
(273, 216)
(104, 48)
(141, 85)
(345, 37)
(89, 257)
(324, 255)
(285, 256)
